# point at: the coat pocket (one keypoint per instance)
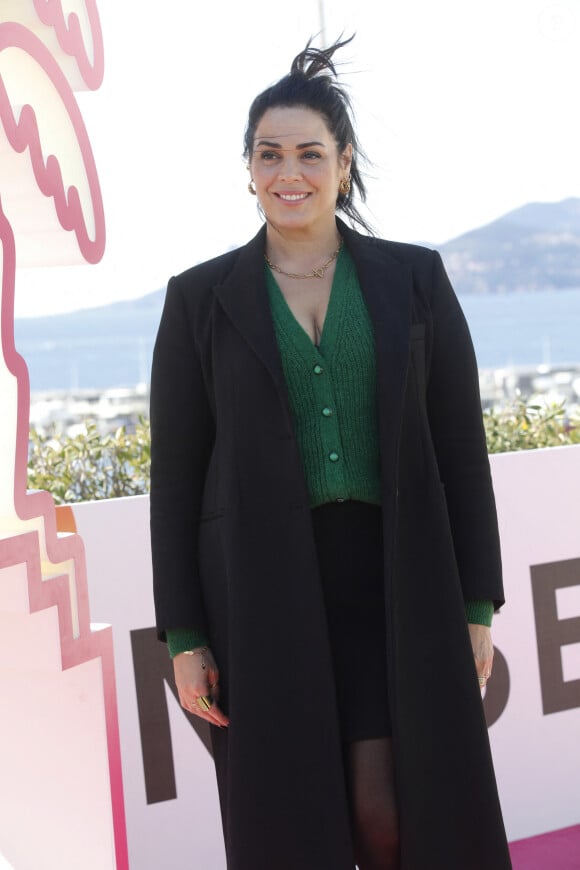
(418, 357)
(208, 516)
(418, 331)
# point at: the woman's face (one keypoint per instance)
(296, 168)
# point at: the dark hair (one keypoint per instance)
(312, 83)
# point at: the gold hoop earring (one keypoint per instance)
(251, 189)
(344, 186)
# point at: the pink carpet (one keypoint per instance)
(558, 850)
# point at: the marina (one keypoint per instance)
(65, 411)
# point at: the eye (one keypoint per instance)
(311, 155)
(268, 155)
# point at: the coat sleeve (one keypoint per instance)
(182, 435)
(455, 418)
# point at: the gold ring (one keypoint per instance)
(204, 702)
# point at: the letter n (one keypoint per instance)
(153, 669)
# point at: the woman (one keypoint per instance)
(325, 544)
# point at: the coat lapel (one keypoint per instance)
(387, 287)
(244, 297)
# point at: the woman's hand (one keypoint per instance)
(482, 647)
(194, 681)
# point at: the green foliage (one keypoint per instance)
(91, 466)
(524, 427)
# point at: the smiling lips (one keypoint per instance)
(293, 197)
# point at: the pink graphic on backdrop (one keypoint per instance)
(70, 37)
(23, 135)
(44, 608)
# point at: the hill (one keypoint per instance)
(536, 247)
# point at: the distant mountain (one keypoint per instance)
(536, 247)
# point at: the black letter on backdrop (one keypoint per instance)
(153, 668)
(553, 633)
(497, 691)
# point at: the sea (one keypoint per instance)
(112, 346)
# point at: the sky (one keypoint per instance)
(467, 110)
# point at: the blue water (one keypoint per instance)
(112, 347)
(525, 328)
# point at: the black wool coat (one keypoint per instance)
(233, 552)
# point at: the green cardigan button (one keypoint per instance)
(327, 412)
(317, 370)
(333, 456)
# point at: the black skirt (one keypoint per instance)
(349, 545)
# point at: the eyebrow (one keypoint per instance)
(267, 144)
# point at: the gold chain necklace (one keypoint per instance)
(316, 273)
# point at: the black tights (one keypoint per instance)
(373, 805)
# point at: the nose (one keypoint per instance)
(289, 168)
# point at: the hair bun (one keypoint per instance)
(312, 62)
